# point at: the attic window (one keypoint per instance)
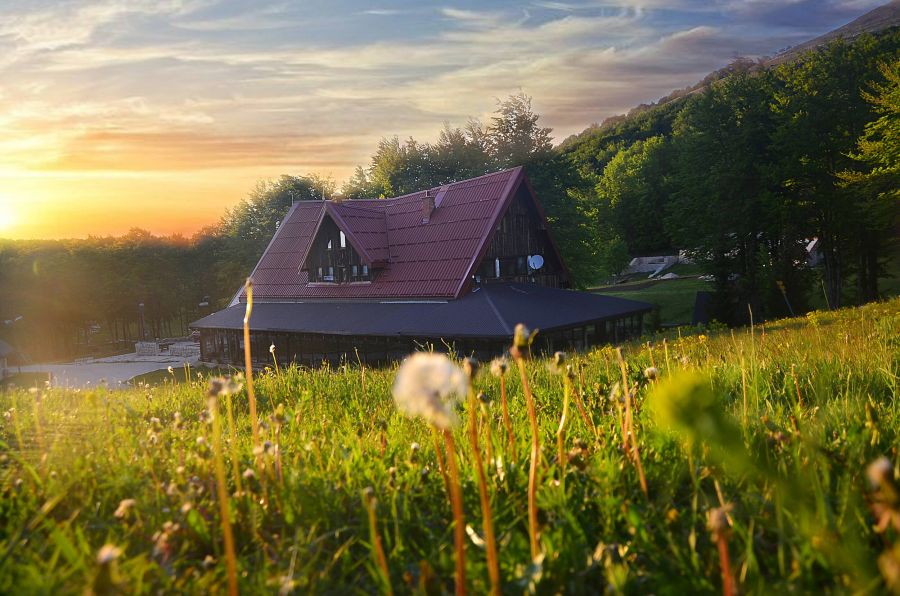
(329, 244)
(343, 240)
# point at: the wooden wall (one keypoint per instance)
(519, 234)
(341, 264)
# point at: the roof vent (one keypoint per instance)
(427, 206)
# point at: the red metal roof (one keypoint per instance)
(414, 260)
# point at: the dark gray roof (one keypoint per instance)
(493, 310)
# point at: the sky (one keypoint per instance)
(161, 114)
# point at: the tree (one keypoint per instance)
(634, 193)
(877, 181)
(514, 136)
(725, 205)
(821, 115)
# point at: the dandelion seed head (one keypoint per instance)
(428, 385)
(222, 386)
(470, 366)
(272, 349)
(717, 521)
(368, 494)
(521, 335)
(171, 370)
(880, 471)
(651, 372)
(124, 507)
(108, 553)
(499, 366)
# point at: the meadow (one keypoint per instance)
(749, 461)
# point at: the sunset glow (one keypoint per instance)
(8, 217)
(160, 115)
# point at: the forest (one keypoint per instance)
(741, 174)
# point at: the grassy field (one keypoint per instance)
(754, 448)
(24, 380)
(674, 298)
(163, 377)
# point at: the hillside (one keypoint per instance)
(873, 22)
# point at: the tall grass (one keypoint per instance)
(722, 431)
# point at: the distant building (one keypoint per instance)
(458, 265)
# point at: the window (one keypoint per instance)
(329, 245)
(343, 240)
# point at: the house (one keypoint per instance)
(373, 280)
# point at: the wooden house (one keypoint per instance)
(372, 280)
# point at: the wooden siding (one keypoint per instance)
(519, 234)
(330, 262)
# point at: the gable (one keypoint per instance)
(332, 258)
(519, 235)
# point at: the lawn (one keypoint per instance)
(749, 460)
(674, 298)
(25, 380)
(177, 376)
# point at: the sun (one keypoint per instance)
(8, 216)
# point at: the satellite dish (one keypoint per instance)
(535, 262)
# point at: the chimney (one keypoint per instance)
(427, 206)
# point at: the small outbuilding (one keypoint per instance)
(372, 280)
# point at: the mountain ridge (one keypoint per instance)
(876, 21)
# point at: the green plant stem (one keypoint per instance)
(222, 489)
(532, 469)
(561, 431)
(511, 437)
(459, 521)
(486, 516)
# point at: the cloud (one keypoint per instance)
(803, 15)
(145, 87)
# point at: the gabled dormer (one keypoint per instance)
(349, 245)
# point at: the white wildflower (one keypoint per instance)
(428, 385)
